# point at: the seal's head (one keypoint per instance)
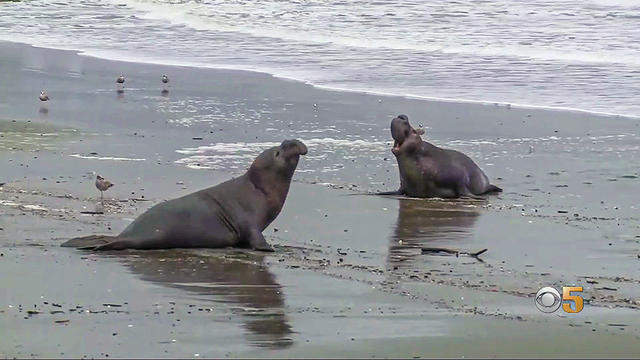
(272, 171)
(405, 137)
(288, 154)
(280, 160)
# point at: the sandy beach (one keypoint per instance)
(347, 278)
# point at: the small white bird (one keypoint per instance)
(165, 79)
(44, 96)
(120, 79)
(103, 185)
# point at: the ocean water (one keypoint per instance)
(582, 55)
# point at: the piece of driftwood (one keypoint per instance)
(92, 212)
(426, 250)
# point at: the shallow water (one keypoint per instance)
(566, 54)
(28, 136)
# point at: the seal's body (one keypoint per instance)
(231, 214)
(429, 171)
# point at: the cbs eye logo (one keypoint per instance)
(548, 299)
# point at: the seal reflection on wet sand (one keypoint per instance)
(427, 223)
(239, 280)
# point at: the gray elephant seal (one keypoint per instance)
(231, 214)
(429, 171)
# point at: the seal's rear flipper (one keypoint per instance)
(115, 244)
(493, 189)
(89, 242)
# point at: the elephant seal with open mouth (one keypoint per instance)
(231, 214)
(429, 171)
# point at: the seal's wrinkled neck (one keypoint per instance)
(272, 174)
(272, 171)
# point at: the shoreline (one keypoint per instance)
(434, 99)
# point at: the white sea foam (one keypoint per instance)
(561, 54)
(238, 155)
(224, 16)
(112, 158)
(25, 206)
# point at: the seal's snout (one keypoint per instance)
(294, 145)
(400, 128)
(402, 133)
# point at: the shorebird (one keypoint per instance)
(165, 81)
(120, 85)
(103, 185)
(44, 96)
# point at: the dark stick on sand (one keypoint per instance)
(92, 212)
(457, 253)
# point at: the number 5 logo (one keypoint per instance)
(576, 299)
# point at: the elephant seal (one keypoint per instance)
(429, 171)
(231, 214)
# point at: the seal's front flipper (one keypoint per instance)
(397, 192)
(493, 189)
(88, 242)
(258, 242)
(266, 248)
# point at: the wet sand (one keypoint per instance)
(347, 278)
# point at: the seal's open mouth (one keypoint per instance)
(408, 133)
(401, 130)
(399, 140)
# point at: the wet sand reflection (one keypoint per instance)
(239, 280)
(429, 223)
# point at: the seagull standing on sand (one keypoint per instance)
(165, 81)
(103, 185)
(44, 96)
(120, 82)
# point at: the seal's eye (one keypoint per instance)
(277, 153)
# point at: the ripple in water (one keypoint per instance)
(561, 53)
